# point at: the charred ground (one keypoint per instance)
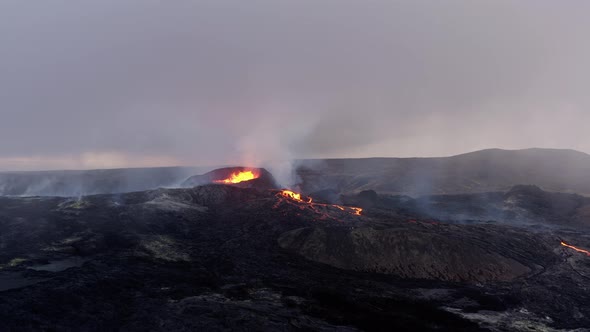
(220, 257)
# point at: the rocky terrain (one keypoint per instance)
(220, 257)
(522, 205)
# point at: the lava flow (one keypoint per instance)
(295, 196)
(309, 201)
(238, 177)
(576, 248)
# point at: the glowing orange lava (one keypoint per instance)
(294, 196)
(297, 197)
(238, 177)
(576, 248)
(357, 210)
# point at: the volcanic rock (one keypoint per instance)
(221, 257)
(521, 205)
(436, 252)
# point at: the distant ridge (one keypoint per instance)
(558, 170)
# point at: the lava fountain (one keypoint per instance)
(241, 176)
(576, 248)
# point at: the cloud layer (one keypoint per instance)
(141, 83)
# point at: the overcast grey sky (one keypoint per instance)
(112, 83)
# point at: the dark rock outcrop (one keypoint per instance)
(436, 252)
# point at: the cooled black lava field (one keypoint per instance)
(219, 257)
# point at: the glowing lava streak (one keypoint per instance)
(297, 197)
(294, 196)
(239, 177)
(357, 210)
(576, 248)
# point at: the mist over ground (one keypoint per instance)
(150, 83)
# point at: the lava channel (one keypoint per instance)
(293, 196)
(586, 252)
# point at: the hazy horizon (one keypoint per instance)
(206, 168)
(118, 84)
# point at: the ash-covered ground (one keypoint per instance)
(223, 257)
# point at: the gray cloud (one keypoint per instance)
(139, 83)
